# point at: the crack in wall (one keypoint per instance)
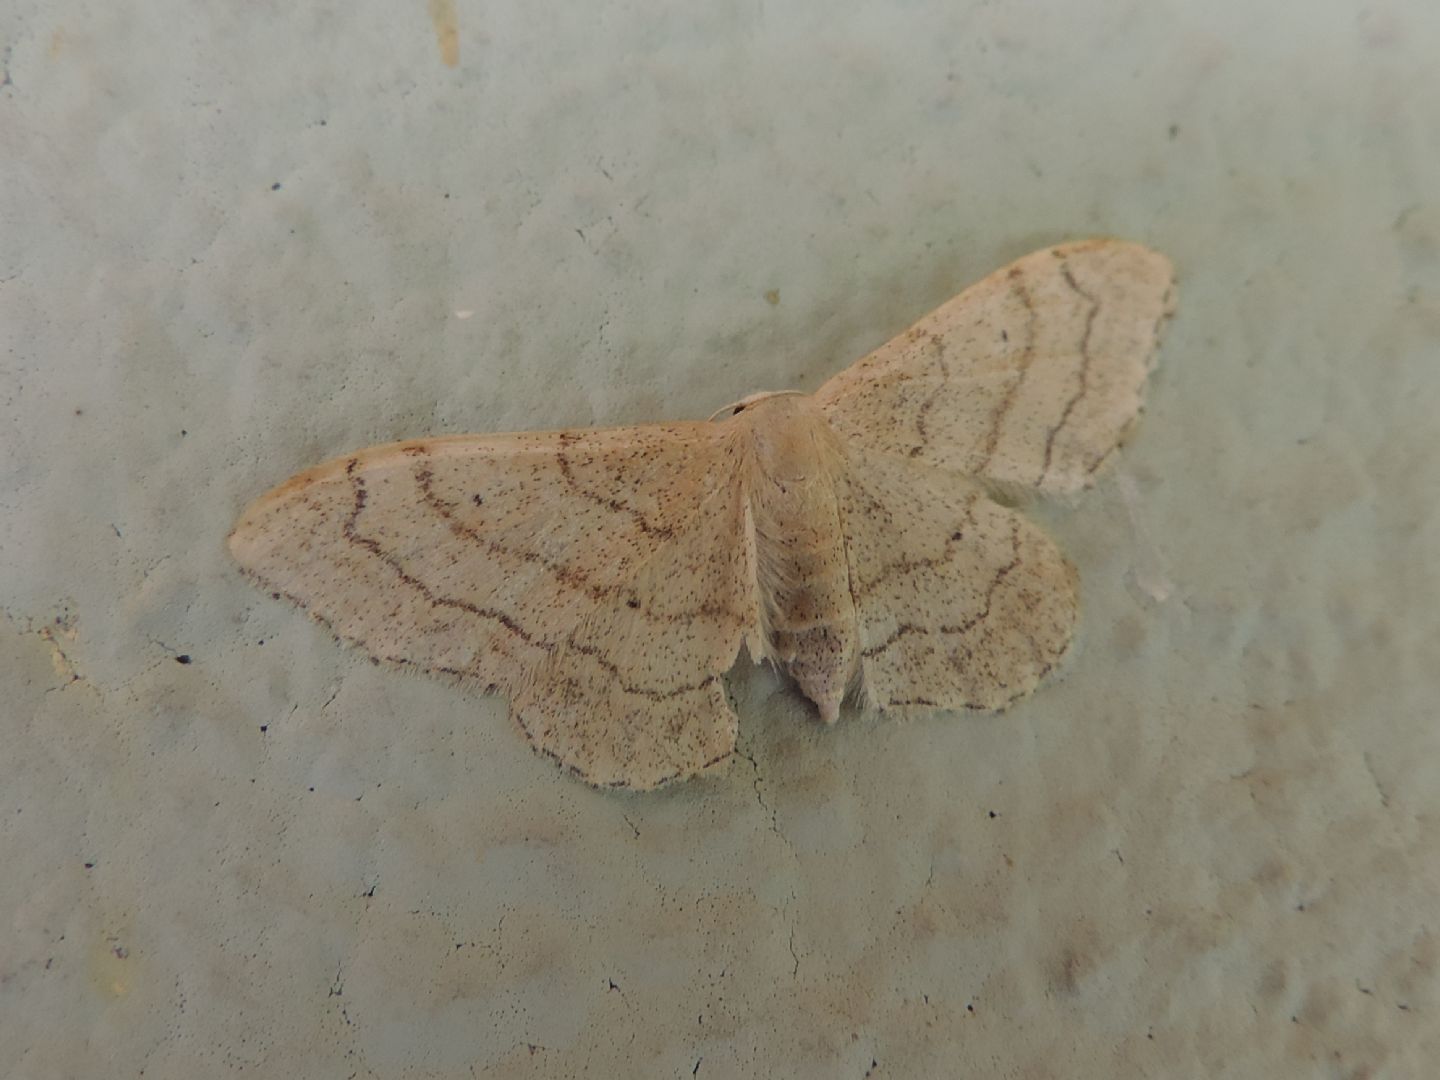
(772, 813)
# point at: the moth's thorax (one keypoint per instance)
(790, 439)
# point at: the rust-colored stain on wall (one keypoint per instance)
(447, 30)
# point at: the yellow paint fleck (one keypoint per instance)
(447, 30)
(772, 297)
(111, 967)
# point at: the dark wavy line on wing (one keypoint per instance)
(1084, 374)
(352, 535)
(906, 566)
(568, 576)
(907, 629)
(992, 439)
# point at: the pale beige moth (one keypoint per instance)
(606, 579)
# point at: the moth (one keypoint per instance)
(606, 579)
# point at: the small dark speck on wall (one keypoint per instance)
(183, 658)
(275, 186)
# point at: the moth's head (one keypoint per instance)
(792, 441)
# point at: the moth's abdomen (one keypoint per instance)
(804, 578)
(810, 617)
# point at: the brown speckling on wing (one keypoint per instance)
(962, 603)
(606, 579)
(1030, 377)
(506, 559)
